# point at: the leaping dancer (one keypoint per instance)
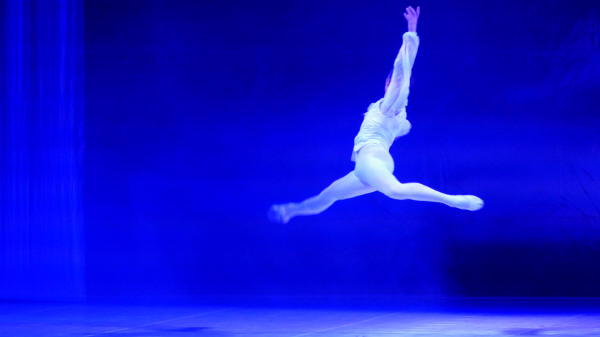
(384, 121)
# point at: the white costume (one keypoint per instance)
(382, 126)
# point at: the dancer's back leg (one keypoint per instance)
(374, 167)
(348, 186)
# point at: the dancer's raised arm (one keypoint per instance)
(396, 95)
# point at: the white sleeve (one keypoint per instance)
(396, 96)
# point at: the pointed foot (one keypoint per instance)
(469, 202)
(278, 214)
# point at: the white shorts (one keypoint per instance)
(360, 145)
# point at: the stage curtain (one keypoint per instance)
(41, 150)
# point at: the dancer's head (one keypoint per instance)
(388, 80)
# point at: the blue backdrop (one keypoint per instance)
(199, 115)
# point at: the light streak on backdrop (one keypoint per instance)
(41, 151)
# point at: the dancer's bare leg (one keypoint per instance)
(373, 168)
(349, 186)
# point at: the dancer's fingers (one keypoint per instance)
(418, 10)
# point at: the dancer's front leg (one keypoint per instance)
(349, 186)
(372, 167)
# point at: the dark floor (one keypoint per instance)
(504, 319)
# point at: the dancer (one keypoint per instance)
(384, 121)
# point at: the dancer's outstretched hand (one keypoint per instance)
(412, 16)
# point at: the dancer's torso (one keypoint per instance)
(378, 127)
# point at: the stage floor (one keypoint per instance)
(505, 319)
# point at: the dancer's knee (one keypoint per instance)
(328, 196)
(397, 191)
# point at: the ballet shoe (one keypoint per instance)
(277, 214)
(469, 202)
